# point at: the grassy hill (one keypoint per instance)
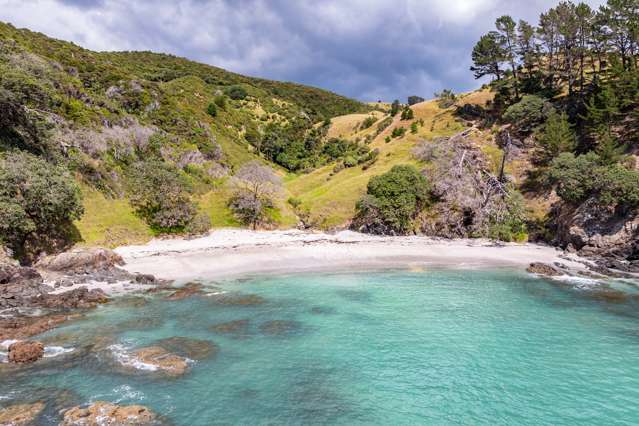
(98, 113)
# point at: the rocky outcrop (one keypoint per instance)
(25, 352)
(21, 415)
(596, 231)
(544, 269)
(190, 348)
(162, 360)
(81, 261)
(189, 290)
(80, 298)
(25, 327)
(106, 414)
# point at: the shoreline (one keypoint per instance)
(229, 253)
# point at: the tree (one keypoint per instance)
(527, 46)
(161, 196)
(392, 201)
(446, 98)
(506, 27)
(38, 203)
(557, 137)
(407, 113)
(585, 18)
(412, 100)
(487, 56)
(608, 148)
(529, 113)
(256, 187)
(395, 108)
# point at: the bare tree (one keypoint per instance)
(256, 188)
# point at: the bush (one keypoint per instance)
(212, 110)
(161, 196)
(236, 93)
(392, 201)
(446, 98)
(38, 203)
(256, 187)
(413, 128)
(294, 202)
(407, 114)
(368, 122)
(529, 113)
(398, 132)
(220, 101)
(200, 225)
(582, 177)
(394, 108)
(557, 137)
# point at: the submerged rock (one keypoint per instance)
(239, 299)
(24, 327)
(237, 327)
(21, 415)
(24, 352)
(544, 269)
(189, 290)
(280, 327)
(189, 348)
(162, 360)
(102, 413)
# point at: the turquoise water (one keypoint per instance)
(436, 347)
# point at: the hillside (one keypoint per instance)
(98, 114)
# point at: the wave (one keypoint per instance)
(123, 356)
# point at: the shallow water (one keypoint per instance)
(436, 347)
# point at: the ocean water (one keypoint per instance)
(436, 347)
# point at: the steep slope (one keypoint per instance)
(329, 196)
(99, 113)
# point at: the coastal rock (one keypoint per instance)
(24, 327)
(25, 352)
(543, 269)
(21, 415)
(81, 260)
(162, 360)
(190, 348)
(80, 298)
(102, 413)
(189, 290)
(593, 230)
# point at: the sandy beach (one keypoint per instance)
(234, 252)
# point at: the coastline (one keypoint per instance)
(228, 253)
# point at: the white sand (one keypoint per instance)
(234, 252)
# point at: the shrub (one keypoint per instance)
(294, 202)
(383, 125)
(387, 139)
(529, 113)
(392, 201)
(398, 132)
(161, 196)
(557, 137)
(212, 110)
(407, 113)
(236, 93)
(395, 108)
(38, 202)
(350, 161)
(220, 101)
(201, 224)
(368, 122)
(413, 127)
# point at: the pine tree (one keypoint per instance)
(487, 56)
(557, 137)
(608, 148)
(506, 27)
(602, 110)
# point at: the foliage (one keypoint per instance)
(487, 56)
(212, 110)
(38, 202)
(407, 113)
(398, 132)
(529, 113)
(412, 100)
(236, 93)
(161, 196)
(557, 137)
(368, 122)
(395, 106)
(582, 177)
(392, 201)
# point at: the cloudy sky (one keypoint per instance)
(367, 49)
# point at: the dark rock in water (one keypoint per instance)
(190, 348)
(145, 279)
(544, 269)
(21, 414)
(140, 323)
(25, 352)
(280, 327)
(322, 310)
(609, 295)
(355, 295)
(237, 327)
(80, 298)
(105, 413)
(189, 290)
(239, 299)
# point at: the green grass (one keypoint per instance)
(110, 222)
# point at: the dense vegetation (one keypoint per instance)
(569, 89)
(155, 129)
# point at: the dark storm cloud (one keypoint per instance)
(368, 49)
